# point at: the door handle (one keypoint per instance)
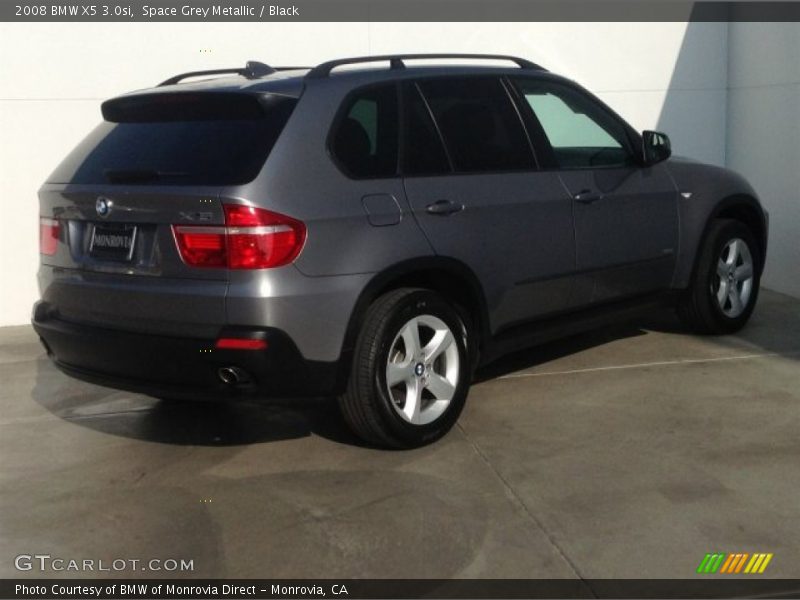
(587, 197)
(444, 208)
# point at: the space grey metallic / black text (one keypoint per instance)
(373, 229)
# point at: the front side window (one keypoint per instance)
(581, 133)
(479, 124)
(365, 140)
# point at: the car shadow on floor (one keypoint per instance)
(133, 416)
(225, 423)
(238, 423)
(550, 351)
(772, 329)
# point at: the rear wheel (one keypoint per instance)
(725, 284)
(410, 372)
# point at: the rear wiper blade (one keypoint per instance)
(139, 175)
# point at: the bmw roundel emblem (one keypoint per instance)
(103, 207)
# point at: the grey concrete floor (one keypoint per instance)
(626, 452)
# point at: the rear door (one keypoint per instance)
(473, 185)
(626, 216)
(157, 162)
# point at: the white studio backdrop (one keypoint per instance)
(697, 82)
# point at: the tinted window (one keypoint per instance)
(423, 152)
(581, 133)
(178, 139)
(365, 140)
(479, 123)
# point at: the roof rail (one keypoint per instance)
(251, 70)
(396, 61)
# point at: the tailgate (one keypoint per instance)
(116, 263)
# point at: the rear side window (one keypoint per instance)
(365, 139)
(179, 139)
(479, 123)
(423, 151)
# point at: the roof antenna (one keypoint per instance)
(252, 70)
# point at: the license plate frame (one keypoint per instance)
(109, 249)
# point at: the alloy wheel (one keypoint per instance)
(422, 369)
(732, 282)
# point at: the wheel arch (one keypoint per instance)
(745, 209)
(447, 276)
(742, 207)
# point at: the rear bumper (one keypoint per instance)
(181, 367)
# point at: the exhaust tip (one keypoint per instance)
(232, 376)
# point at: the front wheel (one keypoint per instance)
(725, 284)
(410, 372)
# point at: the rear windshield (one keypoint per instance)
(179, 139)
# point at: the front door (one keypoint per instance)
(625, 214)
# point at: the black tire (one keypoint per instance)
(367, 404)
(697, 306)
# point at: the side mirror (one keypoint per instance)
(655, 147)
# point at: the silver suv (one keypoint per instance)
(372, 233)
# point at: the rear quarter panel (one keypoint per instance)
(301, 180)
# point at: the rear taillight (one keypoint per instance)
(201, 246)
(253, 238)
(48, 236)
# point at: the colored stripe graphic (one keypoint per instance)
(703, 563)
(741, 562)
(711, 563)
(755, 562)
(764, 564)
(727, 564)
(734, 563)
(730, 564)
